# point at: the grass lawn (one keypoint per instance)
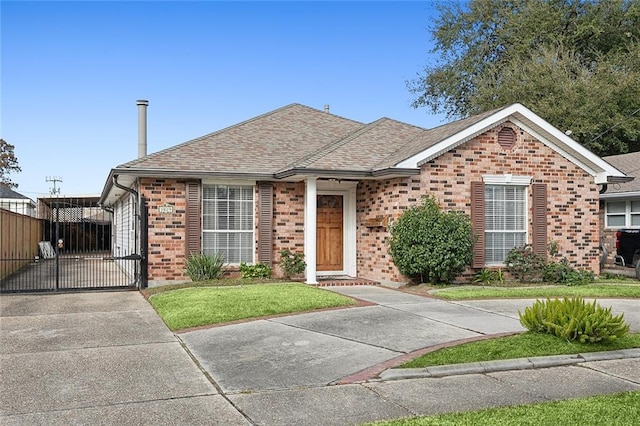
(619, 409)
(624, 289)
(519, 346)
(197, 306)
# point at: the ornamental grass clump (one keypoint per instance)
(201, 267)
(574, 319)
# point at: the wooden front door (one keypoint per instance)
(329, 233)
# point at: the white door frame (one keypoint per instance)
(348, 192)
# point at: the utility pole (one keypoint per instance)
(55, 179)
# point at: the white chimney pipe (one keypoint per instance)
(326, 109)
(142, 127)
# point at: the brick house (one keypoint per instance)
(309, 181)
(620, 203)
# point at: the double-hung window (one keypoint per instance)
(505, 220)
(227, 222)
(621, 214)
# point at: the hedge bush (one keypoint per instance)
(257, 270)
(431, 245)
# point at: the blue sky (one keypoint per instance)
(71, 73)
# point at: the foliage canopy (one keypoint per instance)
(574, 62)
(8, 164)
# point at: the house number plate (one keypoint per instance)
(165, 209)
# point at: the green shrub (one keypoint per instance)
(292, 263)
(524, 264)
(557, 272)
(257, 270)
(429, 244)
(580, 277)
(562, 273)
(200, 267)
(489, 276)
(574, 319)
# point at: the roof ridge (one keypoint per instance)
(191, 141)
(200, 138)
(331, 147)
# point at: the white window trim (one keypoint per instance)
(506, 179)
(230, 182)
(627, 214)
(510, 180)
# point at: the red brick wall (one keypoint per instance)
(573, 219)
(572, 216)
(288, 220)
(167, 238)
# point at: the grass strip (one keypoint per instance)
(198, 306)
(519, 346)
(590, 290)
(617, 409)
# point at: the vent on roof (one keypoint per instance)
(506, 138)
(326, 108)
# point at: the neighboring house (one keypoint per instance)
(15, 202)
(620, 205)
(309, 181)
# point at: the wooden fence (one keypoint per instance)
(19, 236)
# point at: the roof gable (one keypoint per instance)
(531, 123)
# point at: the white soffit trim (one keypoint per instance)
(533, 124)
(507, 179)
(620, 195)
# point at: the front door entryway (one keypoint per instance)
(329, 237)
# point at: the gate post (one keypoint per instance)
(144, 241)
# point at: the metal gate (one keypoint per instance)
(62, 243)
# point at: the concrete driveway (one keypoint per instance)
(106, 358)
(99, 358)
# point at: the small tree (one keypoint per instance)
(429, 244)
(8, 164)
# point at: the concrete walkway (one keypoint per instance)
(106, 358)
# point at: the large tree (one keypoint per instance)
(575, 63)
(8, 164)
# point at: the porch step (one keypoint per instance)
(344, 281)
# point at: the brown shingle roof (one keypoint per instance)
(430, 137)
(629, 164)
(364, 149)
(299, 137)
(264, 144)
